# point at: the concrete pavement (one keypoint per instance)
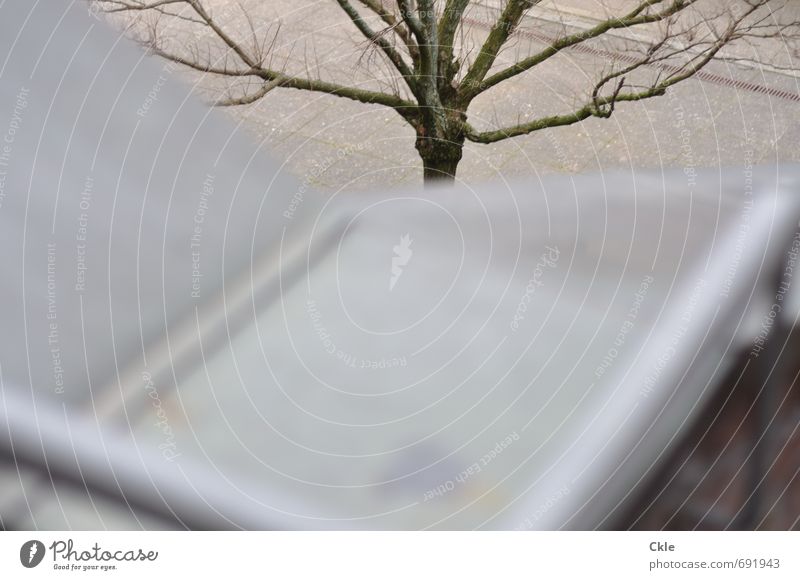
(334, 143)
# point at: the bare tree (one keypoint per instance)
(438, 64)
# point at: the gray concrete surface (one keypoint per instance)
(335, 143)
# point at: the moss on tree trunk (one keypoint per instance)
(440, 158)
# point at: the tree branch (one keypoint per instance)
(253, 66)
(233, 45)
(395, 25)
(201, 67)
(448, 25)
(603, 107)
(475, 85)
(395, 57)
(420, 34)
(251, 98)
(502, 29)
(422, 24)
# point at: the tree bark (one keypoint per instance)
(440, 158)
(439, 171)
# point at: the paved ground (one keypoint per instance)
(336, 143)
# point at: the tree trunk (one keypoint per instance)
(440, 159)
(439, 171)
